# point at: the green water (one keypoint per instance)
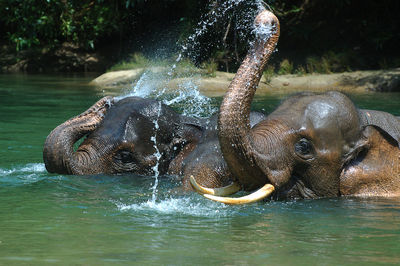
(110, 220)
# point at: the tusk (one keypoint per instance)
(221, 191)
(258, 195)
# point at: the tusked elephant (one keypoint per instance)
(141, 136)
(313, 145)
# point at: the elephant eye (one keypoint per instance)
(125, 156)
(304, 148)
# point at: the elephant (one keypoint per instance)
(141, 136)
(314, 145)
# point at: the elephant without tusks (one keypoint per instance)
(311, 146)
(141, 136)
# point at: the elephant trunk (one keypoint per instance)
(58, 152)
(234, 118)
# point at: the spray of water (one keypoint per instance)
(187, 97)
(157, 154)
(220, 11)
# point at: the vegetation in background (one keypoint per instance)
(136, 60)
(184, 68)
(210, 67)
(285, 67)
(316, 36)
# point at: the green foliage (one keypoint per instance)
(300, 70)
(329, 62)
(268, 73)
(330, 36)
(135, 61)
(315, 65)
(183, 68)
(210, 68)
(285, 67)
(29, 23)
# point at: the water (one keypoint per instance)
(153, 81)
(187, 98)
(101, 220)
(157, 154)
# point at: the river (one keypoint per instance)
(100, 220)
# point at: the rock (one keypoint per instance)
(358, 81)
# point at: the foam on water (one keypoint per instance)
(28, 173)
(185, 205)
(28, 168)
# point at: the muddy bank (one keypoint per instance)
(358, 81)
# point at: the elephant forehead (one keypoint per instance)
(126, 127)
(138, 128)
(332, 121)
(321, 114)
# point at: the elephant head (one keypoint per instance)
(132, 135)
(312, 145)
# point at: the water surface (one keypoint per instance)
(87, 220)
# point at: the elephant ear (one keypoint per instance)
(386, 122)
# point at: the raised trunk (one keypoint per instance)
(58, 152)
(234, 117)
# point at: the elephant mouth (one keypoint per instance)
(219, 194)
(295, 189)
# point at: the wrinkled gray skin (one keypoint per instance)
(119, 138)
(206, 162)
(312, 145)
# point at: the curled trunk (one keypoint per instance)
(58, 152)
(234, 118)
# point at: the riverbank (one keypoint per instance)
(357, 81)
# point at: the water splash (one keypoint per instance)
(146, 86)
(186, 96)
(186, 206)
(24, 174)
(157, 154)
(190, 101)
(220, 12)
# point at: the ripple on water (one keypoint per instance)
(23, 174)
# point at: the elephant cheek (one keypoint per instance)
(325, 182)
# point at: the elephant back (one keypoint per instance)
(383, 121)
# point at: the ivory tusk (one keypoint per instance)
(221, 191)
(258, 195)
